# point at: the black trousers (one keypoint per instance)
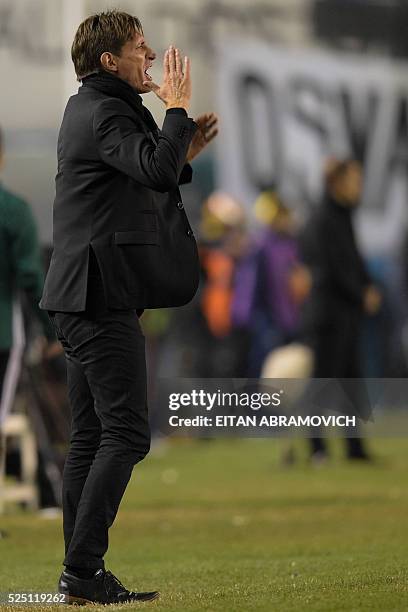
(106, 377)
(336, 353)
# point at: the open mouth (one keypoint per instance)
(147, 75)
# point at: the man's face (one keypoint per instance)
(352, 183)
(135, 59)
(348, 186)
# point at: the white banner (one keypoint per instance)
(283, 112)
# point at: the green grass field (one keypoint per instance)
(220, 526)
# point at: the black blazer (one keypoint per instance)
(117, 193)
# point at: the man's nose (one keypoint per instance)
(152, 54)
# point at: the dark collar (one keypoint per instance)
(337, 206)
(115, 87)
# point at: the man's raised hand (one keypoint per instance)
(207, 131)
(175, 91)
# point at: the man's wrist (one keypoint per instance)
(177, 110)
(177, 105)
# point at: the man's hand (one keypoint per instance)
(207, 131)
(48, 349)
(175, 91)
(52, 349)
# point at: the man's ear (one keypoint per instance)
(108, 61)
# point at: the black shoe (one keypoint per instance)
(363, 456)
(102, 588)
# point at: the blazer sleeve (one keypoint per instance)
(187, 171)
(186, 175)
(123, 144)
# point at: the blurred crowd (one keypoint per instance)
(280, 296)
(283, 297)
(275, 280)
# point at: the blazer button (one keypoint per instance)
(180, 205)
(190, 232)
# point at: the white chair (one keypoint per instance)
(18, 426)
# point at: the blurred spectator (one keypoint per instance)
(342, 291)
(270, 283)
(20, 270)
(224, 240)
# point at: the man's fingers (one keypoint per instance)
(209, 136)
(211, 122)
(166, 65)
(152, 86)
(172, 61)
(203, 119)
(179, 65)
(207, 120)
(187, 69)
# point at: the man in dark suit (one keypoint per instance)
(342, 292)
(122, 242)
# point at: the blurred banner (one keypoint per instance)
(284, 111)
(35, 64)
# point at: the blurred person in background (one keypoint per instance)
(342, 291)
(223, 242)
(122, 242)
(21, 274)
(270, 283)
